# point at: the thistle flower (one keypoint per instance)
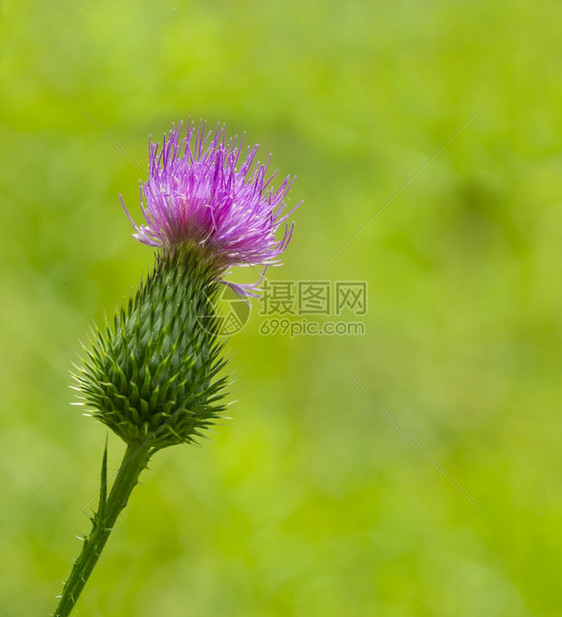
(149, 375)
(201, 193)
(152, 375)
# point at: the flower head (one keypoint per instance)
(202, 192)
(153, 374)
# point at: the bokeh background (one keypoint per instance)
(311, 501)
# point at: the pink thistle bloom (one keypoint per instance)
(200, 193)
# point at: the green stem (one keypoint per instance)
(134, 461)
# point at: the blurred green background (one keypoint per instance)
(310, 502)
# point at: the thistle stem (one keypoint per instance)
(134, 461)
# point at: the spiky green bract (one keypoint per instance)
(152, 375)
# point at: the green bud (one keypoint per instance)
(151, 375)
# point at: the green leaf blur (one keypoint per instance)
(312, 501)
